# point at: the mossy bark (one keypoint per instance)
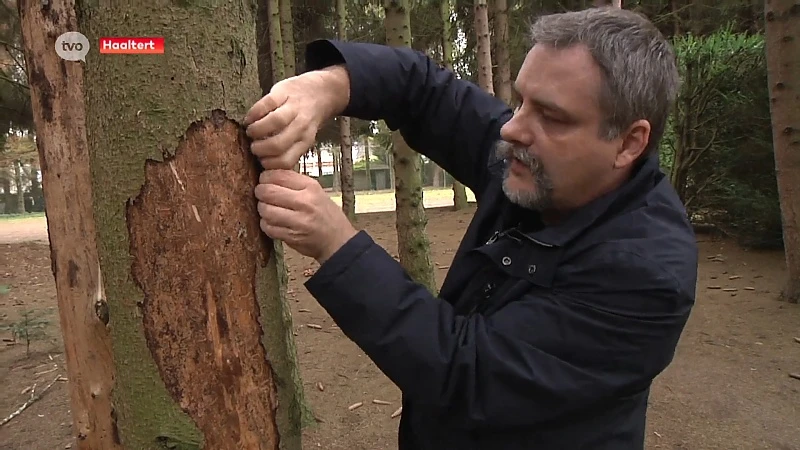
(287, 38)
(412, 238)
(147, 110)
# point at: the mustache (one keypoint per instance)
(506, 150)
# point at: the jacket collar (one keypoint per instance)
(642, 181)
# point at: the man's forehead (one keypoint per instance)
(551, 73)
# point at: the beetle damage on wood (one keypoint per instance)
(196, 245)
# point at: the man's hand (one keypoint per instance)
(284, 123)
(295, 210)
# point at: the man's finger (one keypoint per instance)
(264, 106)
(277, 216)
(275, 232)
(284, 197)
(285, 178)
(288, 158)
(278, 144)
(273, 123)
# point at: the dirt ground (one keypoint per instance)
(728, 388)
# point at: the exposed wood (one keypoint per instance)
(57, 103)
(195, 236)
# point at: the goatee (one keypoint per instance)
(540, 197)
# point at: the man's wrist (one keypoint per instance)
(337, 86)
(337, 243)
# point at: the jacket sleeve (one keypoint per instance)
(451, 121)
(535, 360)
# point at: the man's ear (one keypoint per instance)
(634, 141)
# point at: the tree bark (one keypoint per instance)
(287, 38)
(412, 239)
(19, 180)
(503, 78)
(345, 140)
(276, 40)
(484, 46)
(171, 303)
(367, 162)
(782, 19)
(56, 88)
(337, 164)
(459, 192)
(318, 151)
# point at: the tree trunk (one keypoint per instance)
(459, 192)
(503, 78)
(318, 150)
(276, 40)
(346, 173)
(412, 239)
(782, 21)
(367, 162)
(166, 339)
(337, 164)
(19, 180)
(345, 140)
(293, 393)
(484, 46)
(287, 38)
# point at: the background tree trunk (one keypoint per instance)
(503, 79)
(484, 46)
(276, 40)
(287, 38)
(412, 239)
(345, 141)
(56, 88)
(172, 181)
(782, 21)
(19, 180)
(459, 193)
(367, 167)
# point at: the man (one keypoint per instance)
(574, 280)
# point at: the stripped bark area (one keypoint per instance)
(57, 89)
(196, 247)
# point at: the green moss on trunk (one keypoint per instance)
(138, 108)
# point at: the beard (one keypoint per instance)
(538, 198)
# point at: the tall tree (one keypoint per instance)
(169, 296)
(278, 59)
(345, 139)
(502, 80)
(782, 19)
(484, 46)
(287, 38)
(412, 238)
(445, 7)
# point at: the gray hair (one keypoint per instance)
(640, 75)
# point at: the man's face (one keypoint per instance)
(555, 158)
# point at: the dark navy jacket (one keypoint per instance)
(541, 337)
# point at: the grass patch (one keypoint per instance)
(13, 217)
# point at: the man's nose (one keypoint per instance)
(515, 133)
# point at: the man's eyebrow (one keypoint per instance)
(540, 102)
(546, 104)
